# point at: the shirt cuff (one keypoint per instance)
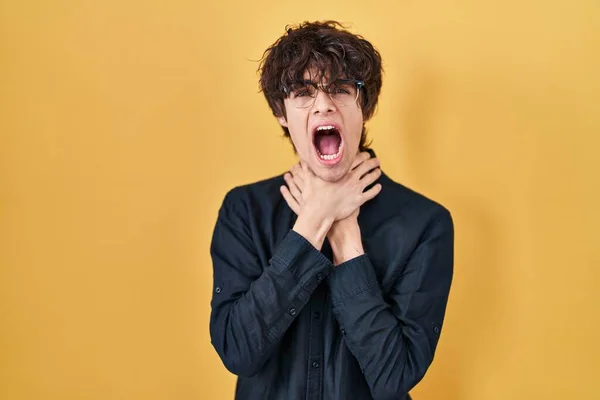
(299, 257)
(351, 278)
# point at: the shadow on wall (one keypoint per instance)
(469, 333)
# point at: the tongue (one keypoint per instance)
(327, 144)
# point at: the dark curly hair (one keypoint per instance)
(329, 49)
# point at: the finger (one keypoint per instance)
(298, 176)
(298, 182)
(366, 167)
(371, 193)
(370, 177)
(292, 184)
(296, 169)
(289, 199)
(293, 188)
(306, 171)
(360, 158)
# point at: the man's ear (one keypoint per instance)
(282, 121)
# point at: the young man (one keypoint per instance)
(331, 281)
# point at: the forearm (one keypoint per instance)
(394, 337)
(345, 240)
(391, 351)
(313, 225)
(249, 319)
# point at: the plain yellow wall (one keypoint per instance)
(123, 124)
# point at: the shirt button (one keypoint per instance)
(436, 330)
(217, 290)
(344, 332)
(320, 277)
(292, 311)
(315, 364)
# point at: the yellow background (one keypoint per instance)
(123, 124)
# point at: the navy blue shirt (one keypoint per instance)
(292, 326)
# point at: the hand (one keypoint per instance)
(338, 200)
(292, 193)
(330, 209)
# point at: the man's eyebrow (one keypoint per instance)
(307, 82)
(300, 83)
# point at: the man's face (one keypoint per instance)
(326, 135)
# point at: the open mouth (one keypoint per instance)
(328, 143)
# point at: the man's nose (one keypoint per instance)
(323, 103)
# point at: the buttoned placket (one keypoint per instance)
(314, 384)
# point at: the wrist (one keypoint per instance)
(313, 226)
(346, 242)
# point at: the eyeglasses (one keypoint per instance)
(343, 92)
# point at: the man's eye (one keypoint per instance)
(304, 91)
(301, 93)
(341, 90)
